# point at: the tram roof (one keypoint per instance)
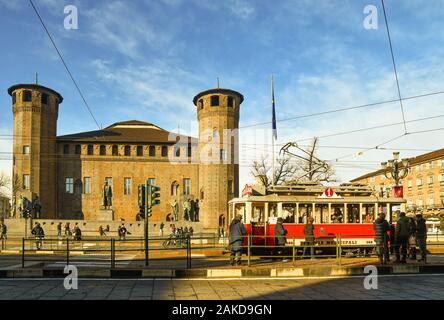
(315, 199)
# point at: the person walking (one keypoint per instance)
(192, 210)
(237, 234)
(191, 231)
(280, 238)
(3, 234)
(59, 230)
(37, 207)
(102, 231)
(77, 234)
(309, 237)
(412, 239)
(39, 234)
(162, 225)
(68, 232)
(402, 238)
(122, 232)
(381, 227)
(186, 209)
(421, 237)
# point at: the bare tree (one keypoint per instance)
(283, 172)
(5, 183)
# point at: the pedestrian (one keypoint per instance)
(102, 231)
(39, 234)
(192, 210)
(381, 227)
(237, 234)
(402, 238)
(412, 239)
(421, 237)
(77, 234)
(196, 210)
(37, 207)
(3, 233)
(59, 230)
(280, 238)
(309, 237)
(191, 231)
(107, 228)
(68, 232)
(122, 232)
(392, 237)
(162, 225)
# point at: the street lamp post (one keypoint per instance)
(395, 169)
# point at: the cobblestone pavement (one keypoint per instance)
(413, 287)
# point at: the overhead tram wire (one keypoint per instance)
(394, 66)
(345, 109)
(64, 63)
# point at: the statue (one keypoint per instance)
(107, 196)
(175, 208)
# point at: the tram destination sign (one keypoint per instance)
(329, 193)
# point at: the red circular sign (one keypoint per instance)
(329, 192)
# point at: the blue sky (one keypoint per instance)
(147, 59)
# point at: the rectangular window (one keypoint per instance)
(26, 149)
(230, 102)
(214, 101)
(90, 150)
(66, 149)
(87, 185)
(26, 182)
(127, 186)
(69, 185)
(27, 96)
(127, 151)
(164, 151)
(115, 150)
(152, 151)
(78, 149)
(430, 179)
(410, 183)
(139, 151)
(223, 155)
(419, 182)
(186, 186)
(44, 98)
(441, 177)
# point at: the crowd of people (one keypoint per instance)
(177, 236)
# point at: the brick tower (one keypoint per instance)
(218, 117)
(35, 110)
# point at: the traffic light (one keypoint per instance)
(142, 196)
(153, 192)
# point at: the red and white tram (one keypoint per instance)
(346, 212)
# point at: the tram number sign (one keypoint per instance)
(329, 193)
(398, 192)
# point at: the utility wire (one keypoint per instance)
(394, 66)
(64, 63)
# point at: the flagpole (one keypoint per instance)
(273, 181)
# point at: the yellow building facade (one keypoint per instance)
(68, 172)
(423, 187)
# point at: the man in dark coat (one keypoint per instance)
(280, 238)
(381, 227)
(309, 237)
(192, 210)
(39, 234)
(237, 234)
(421, 236)
(402, 237)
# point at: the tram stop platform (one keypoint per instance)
(208, 267)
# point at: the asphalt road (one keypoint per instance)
(403, 287)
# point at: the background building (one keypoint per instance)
(5, 207)
(68, 172)
(423, 186)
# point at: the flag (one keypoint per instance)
(274, 110)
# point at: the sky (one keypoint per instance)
(147, 59)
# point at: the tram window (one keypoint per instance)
(337, 215)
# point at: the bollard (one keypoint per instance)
(23, 252)
(294, 248)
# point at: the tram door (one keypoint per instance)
(258, 225)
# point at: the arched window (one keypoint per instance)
(164, 151)
(230, 102)
(78, 187)
(152, 151)
(78, 149)
(27, 96)
(201, 105)
(115, 151)
(127, 151)
(139, 151)
(175, 188)
(103, 150)
(44, 98)
(90, 150)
